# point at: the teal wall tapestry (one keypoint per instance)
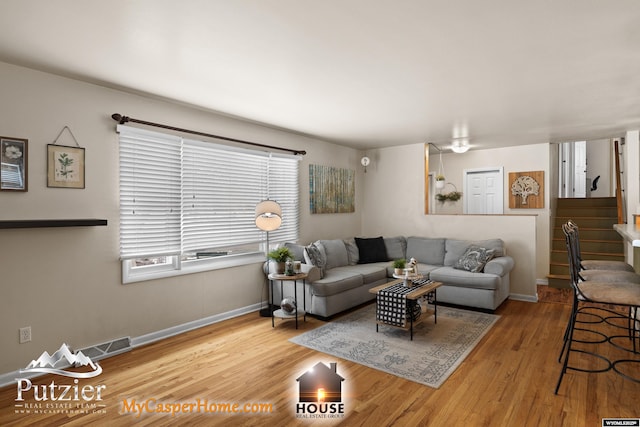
(331, 190)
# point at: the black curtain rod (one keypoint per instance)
(124, 119)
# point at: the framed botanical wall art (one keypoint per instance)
(65, 166)
(13, 164)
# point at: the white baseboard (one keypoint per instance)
(543, 282)
(189, 326)
(11, 377)
(526, 298)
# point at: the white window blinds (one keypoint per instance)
(213, 188)
(150, 193)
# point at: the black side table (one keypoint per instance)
(273, 277)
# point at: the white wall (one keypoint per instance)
(631, 177)
(600, 163)
(66, 283)
(394, 205)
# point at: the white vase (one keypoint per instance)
(439, 185)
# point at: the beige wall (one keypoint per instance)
(66, 283)
(394, 205)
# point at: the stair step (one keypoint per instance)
(596, 246)
(590, 201)
(587, 222)
(589, 211)
(559, 281)
(591, 234)
(559, 269)
(560, 256)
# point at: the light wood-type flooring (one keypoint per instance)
(508, 380)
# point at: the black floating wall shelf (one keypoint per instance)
(39, 223)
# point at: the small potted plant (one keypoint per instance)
(399, 266)
(440, 181)
(280, 256)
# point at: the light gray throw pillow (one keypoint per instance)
(335, 252)
(352, 250)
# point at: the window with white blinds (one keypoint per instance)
(193, 199)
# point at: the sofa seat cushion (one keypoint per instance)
(370, 272)
(335, 281)
(452, 277)
(426, 269)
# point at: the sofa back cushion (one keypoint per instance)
(352, 250)
(426, 250)
(396, 247)
(335, 252)
(297, 250)
(371, 250)
(455, 248)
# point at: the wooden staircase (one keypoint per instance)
(598, 240)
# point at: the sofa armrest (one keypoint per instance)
(313, 272)
(500, 265)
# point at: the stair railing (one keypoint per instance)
(619, 201)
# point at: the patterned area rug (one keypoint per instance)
(434, 354)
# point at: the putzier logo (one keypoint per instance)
(52, 364)
(320, 392)
(33, 398)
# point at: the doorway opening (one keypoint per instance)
(585, 169)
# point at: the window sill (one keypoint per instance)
(189, 267)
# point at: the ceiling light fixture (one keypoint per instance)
(460, 146)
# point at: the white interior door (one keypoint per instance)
(484, 191)
(573, 169)
(580, 169)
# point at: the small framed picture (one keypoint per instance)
(65, 166)
(13, 158)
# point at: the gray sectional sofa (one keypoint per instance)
(341, 272)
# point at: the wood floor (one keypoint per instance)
(508, 380)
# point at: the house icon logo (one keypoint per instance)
(64, 358)
(320, 392)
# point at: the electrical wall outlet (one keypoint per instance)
(25, 334)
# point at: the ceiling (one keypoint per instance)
(362, 73)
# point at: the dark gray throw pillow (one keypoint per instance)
(314, 255)
(474, 259)
(371, 249)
